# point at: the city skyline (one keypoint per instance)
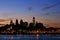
(45, 11)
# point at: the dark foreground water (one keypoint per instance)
(30, 37)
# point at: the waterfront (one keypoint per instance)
(31, 37)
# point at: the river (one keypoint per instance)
(31, 37)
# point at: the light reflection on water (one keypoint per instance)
(37, 36)
(30, 37)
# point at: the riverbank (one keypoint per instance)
(25, 33)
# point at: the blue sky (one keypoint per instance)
(46, 10)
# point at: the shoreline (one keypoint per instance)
(26, 33)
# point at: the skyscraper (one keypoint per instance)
(11, 22)
(17, 22)
(34, 20)
(21, 22)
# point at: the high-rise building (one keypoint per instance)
(11, 22)
(21, 22)
(17, 22)
(34, 20)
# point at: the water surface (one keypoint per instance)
(30, 37)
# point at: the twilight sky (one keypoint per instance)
(45, 11)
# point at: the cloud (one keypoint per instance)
(55, 12)
(51, 13)
(47, 14)
(29, 8)
(1, 24)
(3, 20)
(45, 8)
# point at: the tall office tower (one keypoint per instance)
(17, 22)
(34, 20)
(11, 22)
